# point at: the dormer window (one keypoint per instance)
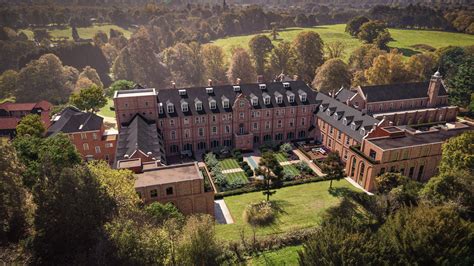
(160, 108)
(212, 104)
(291, 98)
(353, 126)
(286, 85)
(225, 103)
(303, 97)
(344, 121)
(262, 86)
(335, 116)
(209, 90)
(362, 131)
(254, 101)
(266, 100)
(182, 92)
(279, 99)
(328, 112)
(236, 88)
(184, 107)
(170, 108)
(321, 108)
(199, 106)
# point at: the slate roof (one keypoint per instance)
(172, 96)
(72, 120)
(139, 135)
(352, 115)
(399, 91)
(344, 94)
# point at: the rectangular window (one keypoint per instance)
(201, 132)
(153, 193)
(339, 134)
(303, 121)
(83, 136)
(173, 135)
(292, 122)
(372, 154)
(94, 136)
(227, 129)
(241, 115)
(267, 124)
(412, 171)
(214, 130)
(85, 146)
(186, 121)
(420, 172)
(187, 133)
(280, 124)
(169, 191)
(109, 145)
(97, 149)
(348, 139)
(255, 126)
(172, 122)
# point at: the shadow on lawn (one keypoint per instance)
(340, 191)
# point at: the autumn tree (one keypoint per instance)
(30, 125)
(421, 66)
(308, 49)
(100, 38)
(353, 26)
(260, 46)
(387, 69)
(281, 58)
(335, 49)
(241, 66)
(87, 78)
(369, 31)
(8, 80)
(331, 76)
(185, 63)
(43, 79)
(333, 168)
(363, 57)
(213, 58)
(89, 99)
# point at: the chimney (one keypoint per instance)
(260, 79)
(433, 89)
(238, 81)
(333, 94)
(209, 82)
(296, 77)
(173, 85)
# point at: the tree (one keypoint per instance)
(272, 172)
(281, 58)
(458, 153)
(332, 167)
(286, 147)
(213, 58)
(363, 56)
(383, 39)
(163, 212)
(30, 125)
(421, 66)
(353, 26)
(89, 99)
(387, 69)
(71, 210)
(100, 38)
(198, 244)
(185, 63)
(43, 79)
(260, 46)
(13, 206)
(308, 50)
(461, 83)
(369, 31)
(331, 76)
(8, 80)
(274, 32)
(75, 34)
(241, 67)
(40, 35)
(335, 49)
(119, 85)
(88, 77)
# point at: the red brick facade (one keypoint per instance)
(95, 145)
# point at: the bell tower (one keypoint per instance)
(433, 89)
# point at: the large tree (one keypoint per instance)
(185, 63)
(118, 85)
(363, 57)
(8, 80)
(260, 46)
(30, 125)
(43, 79)
(87, 77)
(89, 99)
(369, 31)
(461, 84)
(331, 76)
(387, 69)
(421, 66)
(281, 59)
(213, 58)
(309, 51)
(241, 67)
(272, 172)
(353, 26)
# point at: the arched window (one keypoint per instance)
(361, 172)
(353, 167)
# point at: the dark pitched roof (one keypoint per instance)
(344, 94)
(172, 96)
(72, 120)
(352, 115)
(139, 135)
(399, 91)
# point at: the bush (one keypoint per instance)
(263, 213)
(287, 174)
(246, 167)
(235, 183)
(236, 152)
(249, 172)
(239, 158)
(211, 160)
(304, 167)
(286, 148)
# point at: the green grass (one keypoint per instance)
(281, 157)
(229, 164)
(85, 33)
(237, 176)
(303, 206)
(404, 39)
(292, 169)
(105, 111)
(284, 256)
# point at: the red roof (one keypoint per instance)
(8, 122)
(25, 106)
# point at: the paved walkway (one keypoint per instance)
(234, 170)
(289, 162)
(355, 184)
(308, 161)
(222, 212)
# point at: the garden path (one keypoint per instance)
(235, 170)
(289, 162)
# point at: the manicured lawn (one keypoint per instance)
(284, 256)
(403, 39)
(105, 111)
(292, 168)
(303, 206)
(85, 33)
(237, 176)
(281, 157)
(229, 164)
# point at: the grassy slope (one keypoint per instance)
(85, 33)
(105, 111)
(303, 204)
(330, 33)
(284, 256)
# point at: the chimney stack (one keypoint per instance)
(260, 78)
(173, 85)
(209, 82)
(333, 94)
(238, 81)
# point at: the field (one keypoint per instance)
(105, 111)
(229, 164)
(303, 206)
(284, 256)
(403, 39)
(85, 33)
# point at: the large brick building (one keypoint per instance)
(246, 116)
(12, 113)
(87, 132)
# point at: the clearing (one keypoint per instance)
(85, 33)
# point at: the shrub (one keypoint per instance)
(211, 160)
(246, 167)
(304, 167)
(239, 158)
(263, 213)
(287, 174)
(286, 148)
(235, 183)
(249, 172)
